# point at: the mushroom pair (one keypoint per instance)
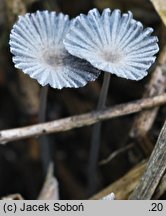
(63, 53)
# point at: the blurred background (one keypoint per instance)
(21, 162)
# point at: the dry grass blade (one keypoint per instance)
(116, 153)
(123, 186)
(161, 189)
(154, 171)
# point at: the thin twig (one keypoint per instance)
(82, 120)
(154, 171)
(115, 154)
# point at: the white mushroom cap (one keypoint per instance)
(36, 41)
(113, 42)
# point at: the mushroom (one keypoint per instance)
(114, 43)
(36, 42)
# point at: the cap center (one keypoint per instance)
(112, 57)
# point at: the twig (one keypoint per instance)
(154, 171)
(115, 153)
(82, 120)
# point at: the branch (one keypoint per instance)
(154, 171)
(78, 121)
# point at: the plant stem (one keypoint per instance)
(43, 140)
(96, 135)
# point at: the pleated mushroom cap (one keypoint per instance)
(113, 42)
(36, 42)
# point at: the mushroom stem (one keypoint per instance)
(104, 91)
(44, 145)
(43, 104)
(95, 139)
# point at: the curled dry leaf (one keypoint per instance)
(50, 190)
(13, 197)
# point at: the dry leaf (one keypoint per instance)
(50, 190)
(13, 197)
